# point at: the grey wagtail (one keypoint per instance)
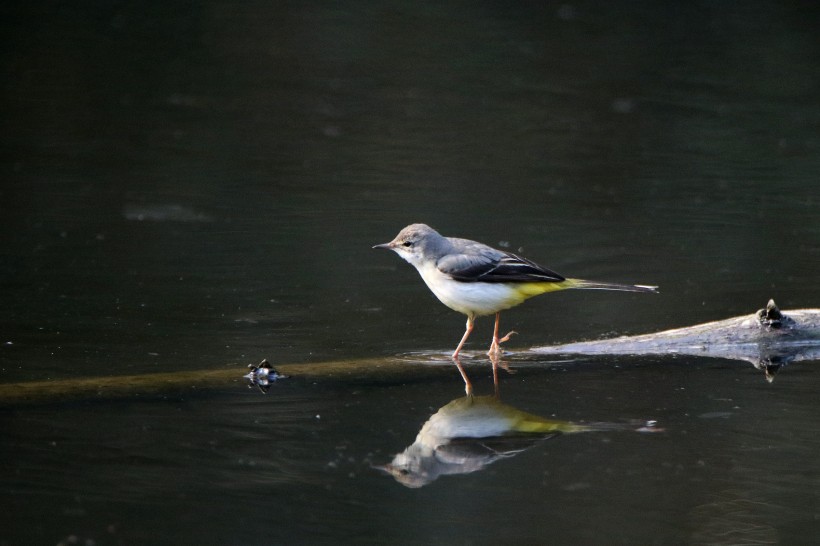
(475, 279)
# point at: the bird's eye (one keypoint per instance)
(407, 243)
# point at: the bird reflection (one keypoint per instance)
(495, 359)
(472, 432)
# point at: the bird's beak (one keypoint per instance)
(388, 246)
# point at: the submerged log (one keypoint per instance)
(769, 339)
(146, 386)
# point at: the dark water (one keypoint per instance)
(197, 187)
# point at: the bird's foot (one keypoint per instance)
(495, 347)
(507, 337)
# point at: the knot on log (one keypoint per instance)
(771, 316)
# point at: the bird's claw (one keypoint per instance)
(495, 347)
(507, 337)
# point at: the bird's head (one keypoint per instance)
(416, 243)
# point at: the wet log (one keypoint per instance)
(769, 339)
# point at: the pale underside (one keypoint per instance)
(481, 298)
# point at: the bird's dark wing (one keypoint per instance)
(494, 266)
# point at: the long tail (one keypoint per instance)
(594, 285)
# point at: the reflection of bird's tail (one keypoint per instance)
(595, 285)
(532, 424)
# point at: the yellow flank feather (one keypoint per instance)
(534, 424)
(523, 422)
(530, 289)
(486, 416)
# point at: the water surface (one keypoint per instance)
(198, 187)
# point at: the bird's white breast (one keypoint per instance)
(470, 298)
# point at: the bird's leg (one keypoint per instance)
(468, 386)
(470, 322)
(494, 358)
(495, 347)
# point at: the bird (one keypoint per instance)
(478, 280)
(472, 432)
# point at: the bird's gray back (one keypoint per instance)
(471, 261)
